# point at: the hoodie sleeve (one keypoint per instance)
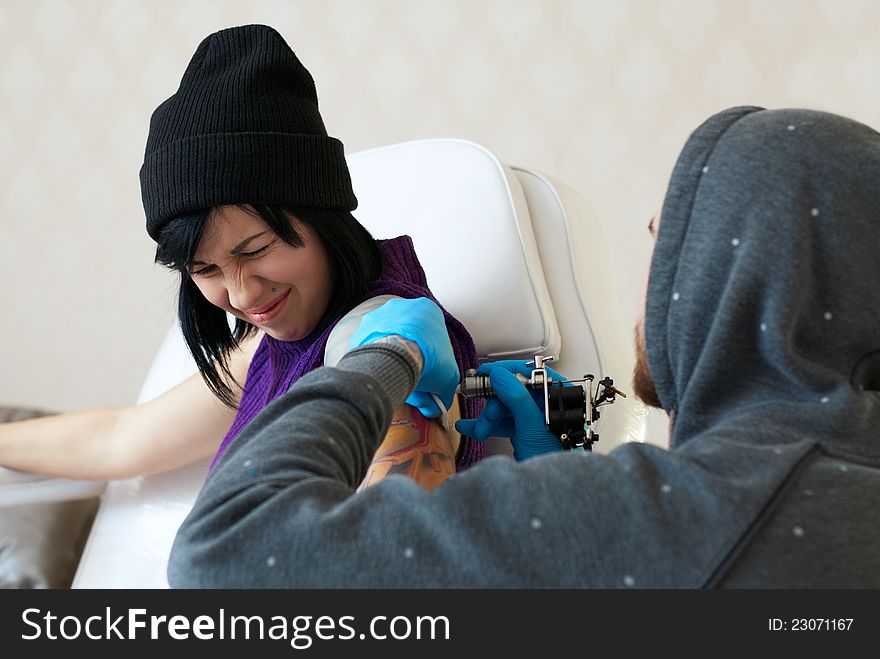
(280, 510)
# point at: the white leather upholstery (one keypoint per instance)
(482, 231)
(470, 225)
(19, 488)
(173, 364)
(577, 267)
(133, 530)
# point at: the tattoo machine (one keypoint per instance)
(569, 410)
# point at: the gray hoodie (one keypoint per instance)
(762, 336)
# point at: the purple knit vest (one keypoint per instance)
(276, 365)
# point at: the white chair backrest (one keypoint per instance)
(470, 225)
(576, 261)
(518, 258)
(579, 352)
(173, 364)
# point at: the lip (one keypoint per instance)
(268, 312)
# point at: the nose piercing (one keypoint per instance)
(273, 290)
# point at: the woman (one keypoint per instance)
(249, 200)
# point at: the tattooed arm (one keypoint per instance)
(414, 446)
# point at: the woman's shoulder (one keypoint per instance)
(337, 340)
(401, 266)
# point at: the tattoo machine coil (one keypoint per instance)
(570, 410)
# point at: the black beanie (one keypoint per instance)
(243, 127)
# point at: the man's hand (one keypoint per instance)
(515, 412)
(421, 321)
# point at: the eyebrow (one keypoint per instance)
(235, 250)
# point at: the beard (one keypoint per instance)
(643, 383)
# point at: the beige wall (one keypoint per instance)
(599, 94)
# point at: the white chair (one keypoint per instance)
(508, 251)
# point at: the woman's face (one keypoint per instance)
(243, 267)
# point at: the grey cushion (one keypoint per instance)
(40, 544)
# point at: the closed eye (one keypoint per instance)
(256, 252)
(208, 269)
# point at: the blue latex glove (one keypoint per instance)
(419, 320)
(516, 412)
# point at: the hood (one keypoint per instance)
(763, 317)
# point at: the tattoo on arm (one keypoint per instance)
(413, 446)
(416, 447)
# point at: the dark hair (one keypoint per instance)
(355, 261)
